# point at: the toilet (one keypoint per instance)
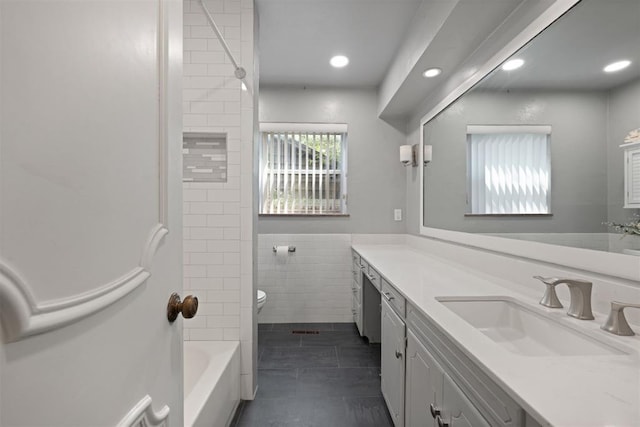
(262, 298)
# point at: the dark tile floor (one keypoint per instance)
(328, 379)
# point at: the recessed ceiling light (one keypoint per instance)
(616, 66)
(432, 72)
(512, 64)
(339, 61)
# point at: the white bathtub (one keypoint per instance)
(211, 382)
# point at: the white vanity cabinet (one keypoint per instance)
(432, 398)
(442, 375)
(393, 362)
(426, 379)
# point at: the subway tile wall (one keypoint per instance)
(312, 284)
(218, 260)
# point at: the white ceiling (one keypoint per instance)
(572, 52)
(298, 37)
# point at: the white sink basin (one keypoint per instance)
(524, 331)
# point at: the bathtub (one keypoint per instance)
(211, 382)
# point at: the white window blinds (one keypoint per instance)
(303, 171)
(509, 169)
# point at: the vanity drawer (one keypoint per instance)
(396, 300)
(374, 277)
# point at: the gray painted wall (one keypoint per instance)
(578, 160)
(624, 115)
(375, 176)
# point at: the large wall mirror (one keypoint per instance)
(533, 151)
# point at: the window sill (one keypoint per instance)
(324, 215)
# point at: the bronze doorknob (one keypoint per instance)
(188, 307)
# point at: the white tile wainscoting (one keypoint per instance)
(313, 284)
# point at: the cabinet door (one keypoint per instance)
(424, 385)
(457, 410)
(393, 349)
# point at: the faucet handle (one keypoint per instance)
(550, 298)
(616, 322)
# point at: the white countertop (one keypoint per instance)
(576, 391)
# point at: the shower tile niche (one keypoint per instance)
(204, 157)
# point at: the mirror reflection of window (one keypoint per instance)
(508, 170)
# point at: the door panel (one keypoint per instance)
(458, 411)
(79, 124)
(392, 364)
(90, 167)
(424, 384)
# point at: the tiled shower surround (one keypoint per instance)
(218, 259)
(312, 284)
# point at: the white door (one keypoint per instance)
(90, 212)
(392, 363)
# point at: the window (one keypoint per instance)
(508, 169)
(303, 169)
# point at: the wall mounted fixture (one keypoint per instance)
(409, 155)
(339, 61)
(427, 155)
(512, 64)
(616, 66)
(432, 72)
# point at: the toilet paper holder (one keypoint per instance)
(290, 249)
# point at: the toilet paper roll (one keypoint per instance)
(282, 253)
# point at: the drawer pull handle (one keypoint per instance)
(398, 355)
(440, 422)
(434, 410)
(388, 296)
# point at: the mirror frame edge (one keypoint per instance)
(606, 263)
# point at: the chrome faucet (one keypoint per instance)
(580, 291)
(616, 322)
